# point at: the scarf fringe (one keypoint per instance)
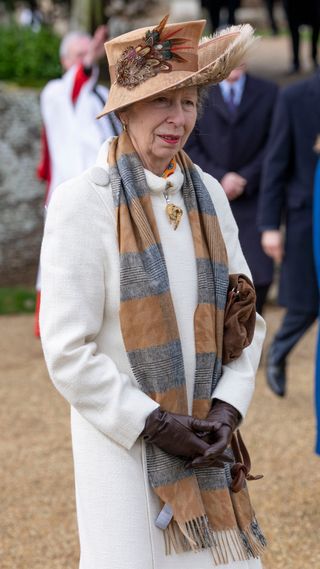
(226, 546)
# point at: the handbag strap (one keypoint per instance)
(240, 471)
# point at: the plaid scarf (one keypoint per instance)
(206, 514)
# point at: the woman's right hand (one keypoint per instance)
(177, 434)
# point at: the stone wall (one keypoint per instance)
(21, 194)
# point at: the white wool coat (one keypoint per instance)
(88, 364)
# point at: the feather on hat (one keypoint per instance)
(147, 62)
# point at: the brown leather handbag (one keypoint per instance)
(239, 317)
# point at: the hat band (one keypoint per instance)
(191, 64)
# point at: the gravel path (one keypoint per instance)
(37, 496)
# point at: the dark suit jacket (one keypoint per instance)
(287, 189)
(221, 143)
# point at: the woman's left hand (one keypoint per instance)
(225, 419)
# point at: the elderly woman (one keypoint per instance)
(136, 261)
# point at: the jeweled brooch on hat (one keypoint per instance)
(152, 56)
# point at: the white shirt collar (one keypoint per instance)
(238, 87)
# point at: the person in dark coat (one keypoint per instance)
(230, 143)
(301, 12)
(316, 249)
(269, 4)
(214, 8)
(286, 196)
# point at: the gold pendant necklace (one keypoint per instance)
(174, 212)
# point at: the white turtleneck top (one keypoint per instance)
(180, 260)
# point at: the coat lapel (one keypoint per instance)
(220, 105)
(248, 97)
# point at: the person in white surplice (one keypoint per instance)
(71, 135)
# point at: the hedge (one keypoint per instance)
(28, 58)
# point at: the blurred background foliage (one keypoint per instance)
(30, 32)
(28, 58)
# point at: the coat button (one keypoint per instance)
(99, 176)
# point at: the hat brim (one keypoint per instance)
(217, 57)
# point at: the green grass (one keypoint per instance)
(17, 300)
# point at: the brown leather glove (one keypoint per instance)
(224, 419)
(177, 434)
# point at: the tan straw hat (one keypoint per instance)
(146, 62)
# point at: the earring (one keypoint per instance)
(124, 126)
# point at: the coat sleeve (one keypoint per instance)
(252, 173)
(276, 170)
(75, 270)
(316, 222)
(237, 383)
(252, 170)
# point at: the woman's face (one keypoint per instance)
(159, 126)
